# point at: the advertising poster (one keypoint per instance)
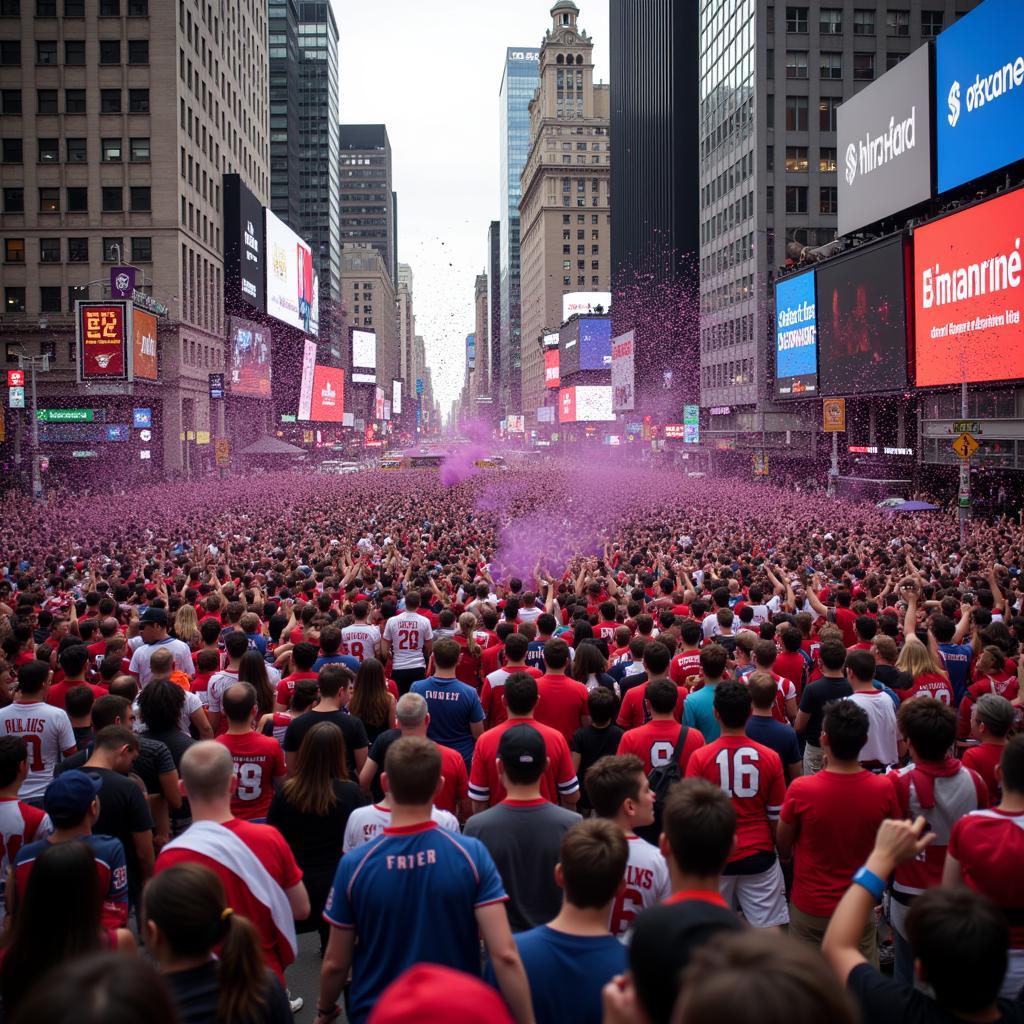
(328, 405)
(516, 424)
(306, 383)
(291, 282)
(249, 368)
(796, 337)
(595, 344)
(691, 424)
(364, 350)
(471, 351)
(584, 302)
(551, 378)
(144, 357)
(968, 295)
(378, 404)
(102, 340)
(244, 262)
(623, 372)
(567, 405)
(594, 403)
(396, 397)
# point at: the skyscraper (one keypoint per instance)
(519, 81)
(368, 203)
(494, 306)
(283, 50)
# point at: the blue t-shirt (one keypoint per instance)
(453, 707)
(958, 658)
(567, 972)
(699, 712)
(776, 736)
(535, 654)
(336, 659)
(411, 896)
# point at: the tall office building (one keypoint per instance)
(564, 209)
(368, 202)
(482, 380)
(772, 79)
(518, 84)
(494, 307)
(120, 118)
(283, 49)
(655, 238)
(406, 334)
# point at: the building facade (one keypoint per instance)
(566, 195)
(368, 200)
(518, 84)
(494, 307)
(120, 118)
(406, 335)
(482, 388)
(283, 48)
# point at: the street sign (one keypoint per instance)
(65, 415)
(222, 451)
(965, 446)
(833, 412)
(966, 427)
(15, 378)
(17, 396)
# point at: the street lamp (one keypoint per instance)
(34, 364)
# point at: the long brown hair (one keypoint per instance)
(253, 669)
(187, 904)
(371, 702)
(467, 623)
(320, 761)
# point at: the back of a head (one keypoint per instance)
(832, 654)
(115, 737)
(73, 659)
(413, 769)
(861, 664)
(732, 704)
(662, 695)
(929, 726)
(13, 753)
(765, 653)
(699, 823)
(207, 770)
(593, 859)
(611, 780)
(763, 689)
(236, 644)
(996, 713)
(713, 660)
(602, 705)
(522, 754)
(656, 658)
(411, 710)
(556, 654)
(446, 653)
(161, 661)
(303, 656)
(846, 726)
(520, 693)
(515, 646)
(160, 705)
(885, 648)
(32, 677)
(238, 703)
(333, 679)
(412, 601)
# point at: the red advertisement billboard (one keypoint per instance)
(144, 359)
(328, 400)
(102, 341)
(968, 295)
(551, 379)
(567, 405)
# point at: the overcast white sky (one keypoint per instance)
(430, 70)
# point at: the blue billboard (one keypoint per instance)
(796, 337)
(595, 344)
(979, 102)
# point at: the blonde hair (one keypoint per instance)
(186, 626)
(467, 623)
(917, 659)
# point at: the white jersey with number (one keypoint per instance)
(646, 883)
(366, 823)
(47, 733)
(360, 640)
(408, 634)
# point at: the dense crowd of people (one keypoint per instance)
(571, 743)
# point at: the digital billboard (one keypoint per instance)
(328, 404)
(979, 92)
(364, 350)
(378, 403)
(551, 339)
(968, 295)
(595, 343)
(885, 145)
(623, 372)
(551, 379)
(306, 385)
(249, 366)
(584, 302)
(244, 249)
(471, 351)
(144, 357)
(862, 321)
(590, 403)
(102, 329)
(396, 397)
(292, 285)
(796, 337)
(691, 424)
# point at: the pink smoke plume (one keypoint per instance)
(461, 462)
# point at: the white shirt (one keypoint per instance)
(763, 612)
(529, 614)
(139, 665)
(366, 823)
(360, 640)
(646, 883)
(188, 709)
(883, 733)
(408, 634)
(47, 733)
(220, 681)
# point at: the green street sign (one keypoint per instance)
(65, 415)
(966, 427)
(964, 503)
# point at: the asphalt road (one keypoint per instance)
(304, 978)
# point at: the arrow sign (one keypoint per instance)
(965, 446)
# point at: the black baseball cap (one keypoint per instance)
(522, 744)
(157, 616)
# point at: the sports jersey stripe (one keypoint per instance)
(465, 853)
(480, 793)
(569, 787)
(371, 849)
(490, 903)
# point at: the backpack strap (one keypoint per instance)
(677, 750)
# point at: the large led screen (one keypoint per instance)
(244, 249)
(551, 378)
(328, 395)
(364, 350)
(595, 344)
(292, 286)
(796, 337)
(249, 369)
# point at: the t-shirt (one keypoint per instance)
(957, 659)
(219, 682)
(559, 778)
(566, 973)
(454, 777)
(752, 775)
(275, 855)
(360, 641)
(123, 812)
(153, 761)
(453, 707)
(635, 709)
(47, 733)
(20, 824)
(258, 761)
(813, 700)
(684, 665)
(984, 759)
(592, 743)
(351, 728)
(561, 703)
(286, 687)
(492, 693)
(57, 694)
(836, 817)
(181, 652)
(654, 743)
(366, 823)
(646, 883)
(336, 659)
(929, 684)
(195, 993)
(699, 712)
(408, 634)
(411, 896)
(778, 737)
(524, 838)
(883, 733)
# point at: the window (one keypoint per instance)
(828, 200)
(827, 107)
(46, 101)
(74, 101)
(110, 51)
(138, 101)
(111, 151)
(74, 51)
(46, 51)
(10, 51)
(796, 113)
(49, 302)
(14, 300)
(10, 101)
(78, 250)
(138, 51)
(49, 200)
(796, 199)
(49, 250)
(138, 150)
(113, 250)
(892, 59)
(796, 158)
(138, 8)
(897, 23)
(76, 150)
(78, 200)
(931, 23)
(10, 8)
(49, 151)
(74, 8)
(113, 198)
(831, 65)
(796, 63)
(46, 8)
(831, 21)
(863, 67)
(14, 200)
(827, 159)
(769, 199)
(796, 19)
(14, 250)
(139, 198)
(110, 8)
(863, 23)
(110, 101)
(11, 151)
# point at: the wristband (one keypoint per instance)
(870, 881)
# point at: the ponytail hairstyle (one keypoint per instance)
(187, 904)
(467, 623)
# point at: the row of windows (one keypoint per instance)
(76, 8)
(728, 179)
(796, 199)
(729, 332)
(798, 109)
(727, 294)
(723, 375)
(734, 127)
(74, 52)
(830, 65)
(76, 199)
(76, 150)
(581, 264)
(75, 101)
(797, 159)
(50, 249)
(735, 213)
(581, 280)
(731, 254)
(830, 21)
(50, 299)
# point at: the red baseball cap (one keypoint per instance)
(431, 994)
